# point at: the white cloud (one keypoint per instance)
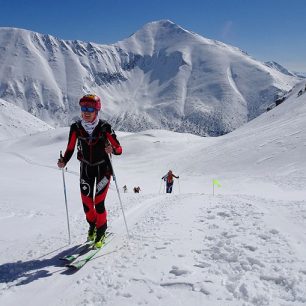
(227, 29)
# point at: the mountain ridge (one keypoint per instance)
(161, 77)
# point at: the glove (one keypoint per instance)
(61, 163)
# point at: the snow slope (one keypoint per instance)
(15, 122)
(245, 245)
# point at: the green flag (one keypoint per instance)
(216, 182)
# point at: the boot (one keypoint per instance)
(91, 232)
(100, 238)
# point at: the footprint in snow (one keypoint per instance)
(202, 265)
(179, 272)
(223, 214)
(189, 286)
(160, 248)
(250, 248)
(264, 237)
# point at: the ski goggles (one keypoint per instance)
(87, 109)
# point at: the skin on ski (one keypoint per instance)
(83, 248)
(80, 262)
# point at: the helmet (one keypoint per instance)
(91, 100)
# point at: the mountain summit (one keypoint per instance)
(155, 36)
(161, 77)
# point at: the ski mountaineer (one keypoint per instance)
(95, 141)
(169, 180)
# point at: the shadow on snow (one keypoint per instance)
(28, 271)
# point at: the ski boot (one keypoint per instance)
(91, 232)
(100, 238)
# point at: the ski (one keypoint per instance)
(82, 259)
(77, 252)
(80, 250)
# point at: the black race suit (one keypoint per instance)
(95, 165)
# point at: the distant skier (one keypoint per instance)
(95, 140)
(125, 190)
(168, 178)
(137, 189)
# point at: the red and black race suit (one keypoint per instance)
(95, 167)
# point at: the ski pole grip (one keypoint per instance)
(61, 159)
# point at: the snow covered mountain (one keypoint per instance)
(161, 77)
(280, 68)
(15, 122)
(300, 74)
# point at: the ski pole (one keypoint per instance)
(64, 183)
(114, 178)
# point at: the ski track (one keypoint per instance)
(229, 254)
(32, 162)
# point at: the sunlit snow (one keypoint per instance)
(244, 245)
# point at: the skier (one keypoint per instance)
(168, 178)
(95, 140)
(136, 189)
(125, 190)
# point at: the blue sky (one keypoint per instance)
(265, 29)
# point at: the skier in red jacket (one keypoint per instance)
(95, 141)
(168, 178)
